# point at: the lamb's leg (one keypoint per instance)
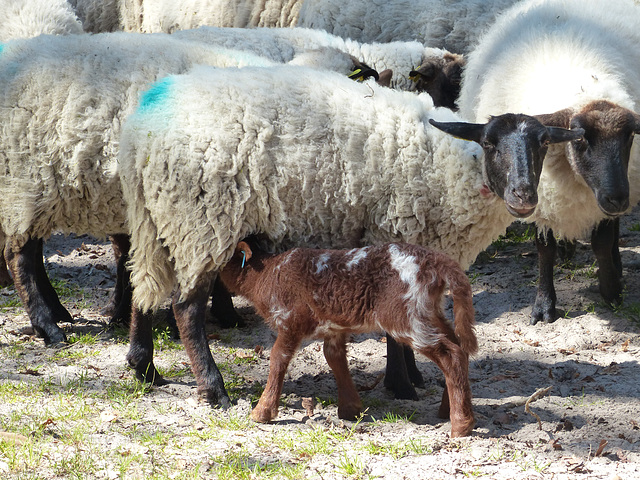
(222, 307)
(335, 351)
(544, 307)
(190, 318)
(604, 242)
(119, 307)
(38, 296)
(282, 352)
(396, 375)
(140, 355)
(454, 364)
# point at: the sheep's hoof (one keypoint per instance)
(541, 314)
(401, 390)
(53, 337)
(215, 398)
(462, 428)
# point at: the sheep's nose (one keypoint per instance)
(614, 204)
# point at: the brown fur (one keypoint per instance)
(331, 294)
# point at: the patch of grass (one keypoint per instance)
(400, 449)
(352, 466)
(394, 417)
(242, 466)
(162, 340)
(635, 227)
(515, 236)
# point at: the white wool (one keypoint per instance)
(30, 18)
(63, 99)
(288, 44)
(149, 16)
(304, 158)
(451, 24)
(542, 56)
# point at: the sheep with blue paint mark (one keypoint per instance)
(63, 100)
(303, 159)
(30, 18)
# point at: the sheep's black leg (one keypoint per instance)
(412, 369)
(120, 306)
(604, 242)
(190, 317)
(222, 307)
(566, 250)
(544, 307)
(140, 355)
(397, 376)
(38, 296)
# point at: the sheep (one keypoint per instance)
(30, 18)
(149, 16)
(63, 100)
(451, 24)
(330, 294)
(576, 59)
(436, 69)
(361, 166)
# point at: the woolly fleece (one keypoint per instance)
(284, 44)
(587, 51)
(451, 24)
(63, 99)
(322, 163)
(149, 16)
(30, 18)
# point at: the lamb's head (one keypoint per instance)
(439, 75)
(601, 155)
(514, 147)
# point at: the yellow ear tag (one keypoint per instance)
(355, 75)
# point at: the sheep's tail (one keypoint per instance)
(463, 310)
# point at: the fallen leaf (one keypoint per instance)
(13, 437)
(244, 355)
(30, 371)
(532, 343)
(108, 416)
(567, 351)
(625, 346)
(213, 336)
(603, 443)
(308, 405)
(258, 349)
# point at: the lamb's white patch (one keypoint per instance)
(358, 254)
(286, 259)
(419, 308)
(321, 263)
(279, 314)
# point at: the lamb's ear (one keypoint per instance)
(561, 118)
(559, 135)
(463, 130)
(243, 247)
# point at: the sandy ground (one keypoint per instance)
(586, 425)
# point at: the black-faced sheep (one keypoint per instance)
(251, 163)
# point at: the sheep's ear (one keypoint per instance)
(560, 135)
(561, 118)
(385, 77)
(243, 247)
(465, 131)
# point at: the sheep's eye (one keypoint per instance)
(488, 145)
(546, 143)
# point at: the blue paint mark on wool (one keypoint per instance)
(156, 95)
(1, 48)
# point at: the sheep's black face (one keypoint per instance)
(514, 147)
(601, 156)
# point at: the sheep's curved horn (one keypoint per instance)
(466, 131)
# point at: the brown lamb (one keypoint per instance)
(331, 294)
